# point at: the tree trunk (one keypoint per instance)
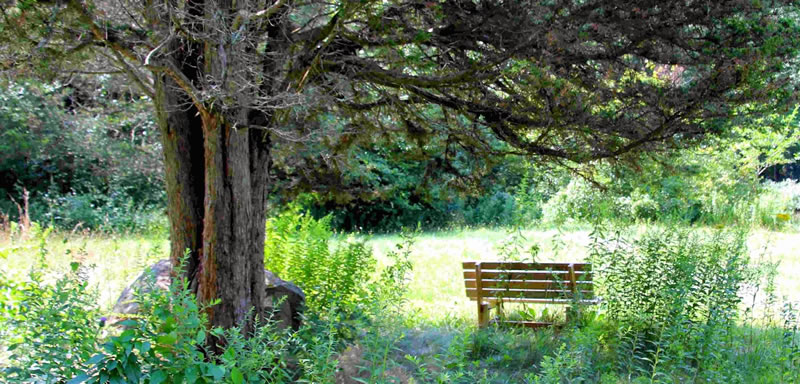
(216, 167)
(182, 142)
(217, 182)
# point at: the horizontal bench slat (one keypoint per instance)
(514, 265)
(537, 301)
(511, 295)
(529, 284)
(528, 275)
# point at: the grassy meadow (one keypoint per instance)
(436, 287)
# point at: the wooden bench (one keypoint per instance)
(492, 283)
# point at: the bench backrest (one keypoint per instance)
(528, 282)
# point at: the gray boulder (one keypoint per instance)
(158, 274)
(284, 300)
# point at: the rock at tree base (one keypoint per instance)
(160, 275)
(288, 297)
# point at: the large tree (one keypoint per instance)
(575, 80)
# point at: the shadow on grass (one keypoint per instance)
(590, 350)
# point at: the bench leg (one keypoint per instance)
(483, 314)
(572, 312)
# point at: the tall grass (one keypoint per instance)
(709, 307)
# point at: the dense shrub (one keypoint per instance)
(97, 166)
(403, 193)
(48, 330)
(674, 199)
(168, 342)
(718, 182)
(643, 206)
(298, 248)
(492, 210)
(581, 201)
(674, 297)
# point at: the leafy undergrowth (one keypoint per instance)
(679, 306)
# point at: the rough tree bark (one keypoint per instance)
(217, 181)
(216, 175)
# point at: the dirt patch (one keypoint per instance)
(353, 366)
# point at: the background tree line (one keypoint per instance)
(88, 152)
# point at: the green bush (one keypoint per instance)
(676, 199)
(298, 248)
(564, 366)
(48, 329)
(583, 202)
(96, 167)
(493, 210)
(168, 342)
(114, 212)
(644, 207)
(674, 296)
(402, 193)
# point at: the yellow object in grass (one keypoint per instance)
(783, 217)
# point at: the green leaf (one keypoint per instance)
(82, 378)
(96, 359)
(229, 354)
(216, 371)
(236, 376)
(127, 336)
(127, 323)
(191, 374)
(132, 373)
(167, 339)
(158, 377)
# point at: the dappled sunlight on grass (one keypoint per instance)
(115, 260)
(437, 284)
(434, 337)
(436, 287)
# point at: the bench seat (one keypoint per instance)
(492, 283)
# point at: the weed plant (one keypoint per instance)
(47, 330)
(298, 248)
(52, 331)
(679, 306)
